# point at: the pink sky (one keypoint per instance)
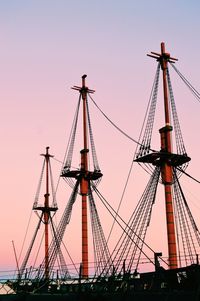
(46, 46)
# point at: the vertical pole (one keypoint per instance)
(16, 258)
(84, 184)
(46, 216)
(166, 168)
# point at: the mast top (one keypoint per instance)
(83, 80)
(83, 88)
(47, 155)
(162, 57)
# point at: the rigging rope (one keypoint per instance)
(113, 213)
(26, 233)
(186, 225)
(121, 199)
(149, 121)
(137, 225)
(63, 264)
(179, 138)
(54, 202)
(146, 140)
(188, 84)
(183, 171)
(70, 147)
(94, 154)
(56, 242)
(120, 130)
(39, 186)
(24, 263)
(101, 251)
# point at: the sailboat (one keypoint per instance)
(115, 273)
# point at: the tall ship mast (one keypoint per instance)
(46, 211)
(84, 177)
(165, 159)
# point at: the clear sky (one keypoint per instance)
(46, 46)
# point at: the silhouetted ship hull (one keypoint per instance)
(180, 284)
(116, 274)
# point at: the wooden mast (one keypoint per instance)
(166, 167)
(46, 212)
(84, 176)
(84, 183)
(165, 161)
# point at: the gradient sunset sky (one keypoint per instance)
(46, 46)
